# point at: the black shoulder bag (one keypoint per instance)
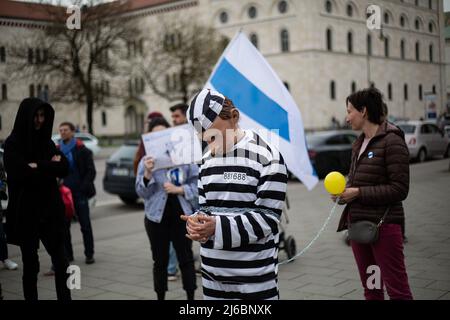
(365, 232)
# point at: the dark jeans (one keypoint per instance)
(171, 229)
(3, 245)
(83, 213)
(53, 243)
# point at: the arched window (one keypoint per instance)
(417, 24)
(254, 39)
(349, 10)
(402, 21)
(4, 92)
(405, 92)
(430, 4)
(329, 37)
(420, 92)
(223, 17)
(328, 6)
(284, 35)
(431, 27)
(332, 90)
(350, 42)
(402, 49)
(434, 89)
(431, 53)
(386, 18)
(390, 91)
(104, 119)
(252, 12)
(2, 54)
(30, 56)
(31, 90)
(386, 47)
(369, 45)
(282, 6)
(417, 51)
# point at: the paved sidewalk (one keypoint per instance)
(327, 271)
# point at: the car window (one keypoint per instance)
(425, 129)
(124, 152)
(350, 138)
(407, 128)
(337, 140)
(434, 129)
(84, 138)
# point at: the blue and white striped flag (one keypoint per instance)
(243, 75)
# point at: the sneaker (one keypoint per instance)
(90, 260)
(9, 264)
(172, 277)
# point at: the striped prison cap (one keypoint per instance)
(204, 109)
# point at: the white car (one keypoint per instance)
(424, 140)
(89, 141)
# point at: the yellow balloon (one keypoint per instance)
(334, 183)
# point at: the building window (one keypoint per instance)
(350, 42)
(4, 92)
(349, 10)
(405, 92)
(386, 18)
(417, 51)
(329, 40)
(328, 6)
(390, 91)
(353, 88)
(38, 56)
(130, 86)
(369, 45)
(284, 40)
(416, 2)
(287, 85)
(417, 24)
(420, 92)
(282, 6)
(434, 90)
(402, 49)
(2, 54)
(31, 90)
(223, 17)
(104, 120)
(45, 93)
(430, 27)
(254, 39)
(402, 21)
(39, 91)
(431, 52)
(30, 56)
(430, 4)
(372, 85)
(386, 47)
(252, 12)
(333, 90)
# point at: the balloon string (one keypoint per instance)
(317, 235)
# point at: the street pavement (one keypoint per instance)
(123, 268)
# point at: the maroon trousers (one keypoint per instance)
(387, 254)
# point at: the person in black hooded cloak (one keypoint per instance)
(35, 208)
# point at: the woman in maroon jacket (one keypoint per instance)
(378, 180)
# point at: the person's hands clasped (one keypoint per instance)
(56, 158)
(200, 227)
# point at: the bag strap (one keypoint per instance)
(384, 216)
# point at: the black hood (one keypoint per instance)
(24, 132)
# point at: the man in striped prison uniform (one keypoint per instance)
(242, 186)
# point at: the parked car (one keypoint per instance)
(447, 131)
(88, 139)
(424, 139)
(330, 150)
(119, 176)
